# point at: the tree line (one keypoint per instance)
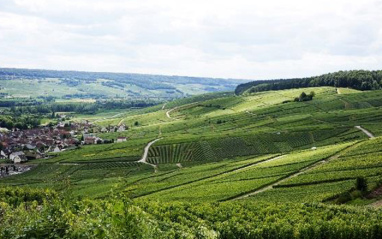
(82, 108)
(356, 79)
(20, 122)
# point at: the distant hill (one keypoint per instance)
(356, 79)
(76, 84)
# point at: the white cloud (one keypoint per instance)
(236, 39)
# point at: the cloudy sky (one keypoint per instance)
(227, 38)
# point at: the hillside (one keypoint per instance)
(218, 166)
(357, 79)
(212, 130)
(27, 83)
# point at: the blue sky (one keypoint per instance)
(231, 39)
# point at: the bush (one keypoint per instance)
(344, 197)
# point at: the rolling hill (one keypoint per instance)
(27, 83)
(254, 165)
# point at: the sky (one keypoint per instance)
(244, 39)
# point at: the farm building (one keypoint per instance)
(121, 139)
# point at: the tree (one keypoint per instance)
(361, 184)
(136, 123)
(305, 97)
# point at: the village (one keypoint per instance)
(18, 146)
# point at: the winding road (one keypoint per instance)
(178, 107)
(169, 111)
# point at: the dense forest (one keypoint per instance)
(356, 79)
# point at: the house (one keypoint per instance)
(121, 128)
(90, 140)
(61, 125)
(18, 157)
(30, 147)
(2, 155)
(56, 149)
(121, 139)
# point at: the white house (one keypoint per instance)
(56, 149)
(2, 155)
(18, 157)
(121, 128)
(121, 139)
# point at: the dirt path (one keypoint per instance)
(377, 193)
(159, 132)
(297, 173)
(368, 133)
(215, 175)
(338, 91)
(146, 152)
(164, 105)
(169, 111)
(255, 164)
(250, 113)
(111, 117)
(120, 122)
(179, 107)
(376, 204)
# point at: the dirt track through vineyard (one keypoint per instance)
(297, 173)
(368, 133)
(146, 152)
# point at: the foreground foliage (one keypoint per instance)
(117, 217)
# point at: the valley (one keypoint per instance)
(262, 148)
